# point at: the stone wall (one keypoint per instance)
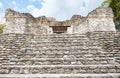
(94, 55)
(101, 19)
(15, 22)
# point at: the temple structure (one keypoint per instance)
(100, 19)
(82, 47)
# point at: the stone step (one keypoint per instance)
(108, 75)
(61, 44)
(60, 54)
(57, 61)
(57, 42)
(59, 69)
(67, 54)
(70, 38)
(61, 39)
(60, 36)
(70, 44)
(56, 48)
(61, 47)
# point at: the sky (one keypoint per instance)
(59, 9)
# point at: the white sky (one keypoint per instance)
(59, 9)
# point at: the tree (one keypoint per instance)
(115, 5)
(1, 28)
(105, 3)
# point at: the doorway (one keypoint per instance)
(59, 29)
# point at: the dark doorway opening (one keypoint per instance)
(59, 29)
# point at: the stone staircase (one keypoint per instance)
(90, 55)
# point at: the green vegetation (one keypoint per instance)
(1, 28)
(105, 3)
(115, 5)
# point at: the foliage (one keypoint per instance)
(1, 28)
(105, 3)
(115, 5)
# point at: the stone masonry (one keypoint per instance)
(101, 19)
(90, 55)
(83, 47)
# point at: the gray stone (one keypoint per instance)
(32, 51)
(101, 19)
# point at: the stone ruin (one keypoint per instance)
(82, 47)
(100, 19)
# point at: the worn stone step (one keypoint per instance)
(60, 39)
(108, 75)
(62, 45)
(65, 48)
(60, 54)
(57, 61)
(59, 69)
(60, 36)
(67, 54)
(62, 48)
(57, 42)
(55, 54)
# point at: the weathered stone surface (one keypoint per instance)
(89, 53)
(101, 19)
(29, 49)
